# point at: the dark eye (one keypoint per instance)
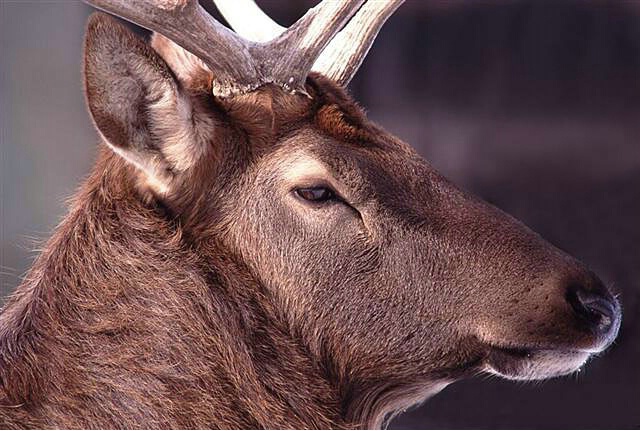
(315, 194)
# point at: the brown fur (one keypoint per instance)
(218, 300)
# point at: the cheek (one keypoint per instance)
(292, 242)
(305, 260)
(333, 284)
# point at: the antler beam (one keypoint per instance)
(306, 39)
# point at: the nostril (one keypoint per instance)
(593, 308)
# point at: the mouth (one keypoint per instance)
(524, 363)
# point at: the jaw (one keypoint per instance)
(383, 404)
(533, 364)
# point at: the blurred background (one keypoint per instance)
(532, 105)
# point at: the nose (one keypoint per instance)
(594, 307)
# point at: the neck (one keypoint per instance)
(121, 317)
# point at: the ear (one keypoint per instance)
(138, 106)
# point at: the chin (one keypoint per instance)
(531, 364)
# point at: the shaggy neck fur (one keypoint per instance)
(121, 324)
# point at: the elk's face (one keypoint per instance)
(391, 274)
(380, 260)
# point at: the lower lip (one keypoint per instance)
(532, 364)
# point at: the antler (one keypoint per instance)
(190, 26)
(248, 20)
(344, 55)
(306, 39)
(270, 53)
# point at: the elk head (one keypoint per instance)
(396, 280)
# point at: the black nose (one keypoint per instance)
(594, 307)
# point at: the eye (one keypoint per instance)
(315, 194)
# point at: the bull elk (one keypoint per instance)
(250, 251)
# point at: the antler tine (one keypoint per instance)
(189, 25)
(248, 20)
(290, 56)
(342, 58)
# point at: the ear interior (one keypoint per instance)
(137, 105)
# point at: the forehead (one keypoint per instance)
(308, 150)
(380, 166)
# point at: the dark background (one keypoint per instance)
(533, 105)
